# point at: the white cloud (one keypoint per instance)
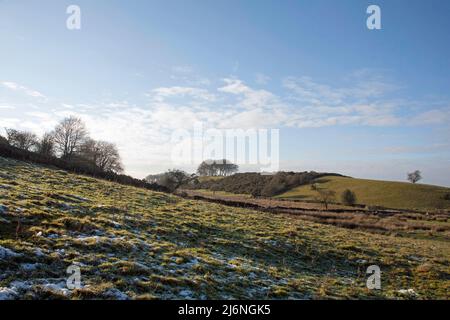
(6, 107)
(17, 87)
(160, 94)
(250, 98)
(430, 117)
(262, 79)
(9, 122)
(364, 101)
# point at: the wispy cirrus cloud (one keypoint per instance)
(161, 94)
(23, 89)
(248, 98)
(262, 78)
(187, 75)
(432, 117)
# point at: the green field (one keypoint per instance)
(397, 195)
(132, 243)
(207, 178)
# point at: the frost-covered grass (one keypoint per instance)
(132, 243)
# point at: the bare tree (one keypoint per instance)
(69, 135)
(326, 196)
(103, 154)
(21, 139)
(414, 176)
(46, 145)
(229, 168)
(204, 169)
(108, 157)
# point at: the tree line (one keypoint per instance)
(70, 148)
(214, 168)
(69, 141)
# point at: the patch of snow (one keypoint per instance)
(347, 281)
(20, 285)
(88, 238)
(7, 253)
(271, 242)
(141, 266)
(361, 261)
(7, 294)
(79, 198)
(408, 292)
(115, 294)
(186, 293)
(3, 209)
(59, 288)
(39, 253)
(116, 225)
(65, 206)
(415, 258)
(80, 264)
(190, 264)
(29, 266)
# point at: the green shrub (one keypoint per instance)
(348, 197)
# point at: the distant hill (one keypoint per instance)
(389, 194)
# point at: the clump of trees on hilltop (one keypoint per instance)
(214, 168)
(174, 179)
(69, 141)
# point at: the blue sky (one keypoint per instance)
(367, 103)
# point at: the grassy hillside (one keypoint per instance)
(140, 244)
(388, 194)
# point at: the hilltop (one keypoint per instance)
(135, 243)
